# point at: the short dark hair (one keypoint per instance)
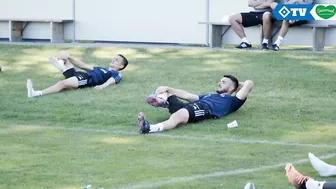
(234, 80)
(125, 61)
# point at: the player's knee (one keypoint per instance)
(285, 23)
(63, 84)
(180, 116)
(60, 84)
(235, 18)
(273, 5)
(267, 16)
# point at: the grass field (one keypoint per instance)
(75, 138)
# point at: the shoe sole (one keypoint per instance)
(154, 102)
(141, 119)
(149, 100)
(244, 48)
(141, 122)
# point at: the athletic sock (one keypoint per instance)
(156, 128)
(279, 40)
(265, 41)
(245, 40)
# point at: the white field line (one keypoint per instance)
(195, 138)
(155, 183)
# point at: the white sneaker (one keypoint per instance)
(321, 167)
(57, 63)
(31, 92)
(30, 88)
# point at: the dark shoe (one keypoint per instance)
(275, 47)
(264, 47)
(144, 126)
(244, 45)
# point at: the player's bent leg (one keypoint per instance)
(178, 118)
(61, 64)
(236, 24)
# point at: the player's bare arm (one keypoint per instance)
(80, 64)
(109, 82)
(244, 89)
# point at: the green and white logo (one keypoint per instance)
(325, 12)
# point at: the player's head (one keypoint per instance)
(228, 84)
(119, 62)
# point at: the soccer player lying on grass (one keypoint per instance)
(200, 107)
(303, 182)
(96, 77)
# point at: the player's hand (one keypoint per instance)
(63, 55)
(161, 90)
(98, 87)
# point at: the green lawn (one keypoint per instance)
(80, 137)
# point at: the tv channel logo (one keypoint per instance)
(293, 12)
(305, 12)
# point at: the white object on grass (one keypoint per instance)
(249, 186)
(233, 124)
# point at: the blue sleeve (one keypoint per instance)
(117, 76)
(96, 67)
(236, 103)
(201, 96)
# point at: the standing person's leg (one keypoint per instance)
(267, 28)
(236, 22)
(243, 20)
(283, 32)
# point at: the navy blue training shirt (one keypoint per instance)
(101, 75)
(220, 104)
